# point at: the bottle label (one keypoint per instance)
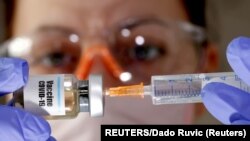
(44, 95)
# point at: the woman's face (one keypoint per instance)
(141, 37)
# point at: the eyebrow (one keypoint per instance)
(131, 23)
(60, 29)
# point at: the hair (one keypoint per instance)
(196, 11)
(9, 11)
(194, 8)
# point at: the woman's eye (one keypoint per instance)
(146, 52)
(57, 59)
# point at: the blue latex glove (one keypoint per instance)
(16, 124)
(228, 104)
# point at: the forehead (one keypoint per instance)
(31, 14)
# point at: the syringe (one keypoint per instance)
(180, 88)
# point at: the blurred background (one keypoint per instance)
(2, 23)
(227, 19)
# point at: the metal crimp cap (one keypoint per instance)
(96, 103)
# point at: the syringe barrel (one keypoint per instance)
(186, 88)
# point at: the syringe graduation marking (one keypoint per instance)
(170, 88)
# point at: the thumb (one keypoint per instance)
(16, 124)
(13, 74)
(226, 103)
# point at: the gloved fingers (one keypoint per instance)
(238, 56)
(13, 74)
(51, 139)
(226, 103)
(240, 122)
(16, 124)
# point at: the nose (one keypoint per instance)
(97, 58)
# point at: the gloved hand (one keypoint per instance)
(228, 104)
(16, 124)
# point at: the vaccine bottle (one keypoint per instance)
(58, 96)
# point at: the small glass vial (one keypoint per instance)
(56, 96)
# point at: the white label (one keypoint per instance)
(44, 95)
